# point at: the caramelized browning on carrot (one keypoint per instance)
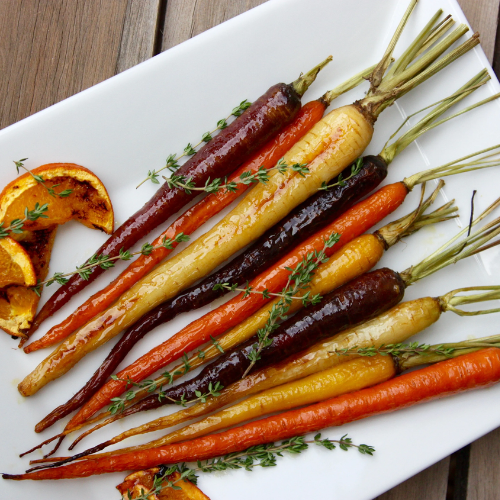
(471, 371)
(351, 224)
(187, 223)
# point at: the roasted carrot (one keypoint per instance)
(353, 223)
(229, 149)
(335, 380)
(393, 326)
(299, 224)
(333, 142)
(348, 377)
(471, 371)
(187, 223)
(359, 300)
(389, 329)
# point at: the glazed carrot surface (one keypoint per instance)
(472, 371)
(187, 223)
(329, 147)
(354, 222)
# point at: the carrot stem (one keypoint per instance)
(428, 122)
(453, 251)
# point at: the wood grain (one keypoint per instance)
(53, 49)
(430, 484)
(188, 18)
(483, 17)
(139, 33)
(484, 468)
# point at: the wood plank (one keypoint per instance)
(90, 41)
(483, 17)
(82, 38)
(484, 468)
(431, 484)
(139, 33)
(188, 18)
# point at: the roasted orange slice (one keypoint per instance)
(18, 303)
(88, 202)
(16, 267)
(70, 192)
(141, 483)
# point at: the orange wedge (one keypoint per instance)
(141, 483)
(88, 202)
(17, 302)
(16, 267)
(25, 257)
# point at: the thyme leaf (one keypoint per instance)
(16, 225)
(172, 161)
(264, 455)
(106, 262)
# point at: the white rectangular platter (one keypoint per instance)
(130, 123)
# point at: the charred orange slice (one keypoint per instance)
(16, 267)
(139, 484)
(18, 303)
(88, 201)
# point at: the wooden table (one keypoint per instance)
(52, 49)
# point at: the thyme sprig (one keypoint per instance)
(266, 294)
(40, 180)
(246, 178)
(149, 386)
(16, 225)
(152, 385)
(172, 162)
(264, 455)
(298, 280)
(397, 350)
(106, 262)
(355, 169)
(416, 350)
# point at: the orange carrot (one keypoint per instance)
(187, 223)
(352, 223)
(471, 371)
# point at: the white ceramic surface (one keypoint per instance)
(130, 123)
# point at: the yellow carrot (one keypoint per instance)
(347, 377)
(330, 146)
(394, 326)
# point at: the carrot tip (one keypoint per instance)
(12, 476)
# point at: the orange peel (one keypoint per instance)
(88, 202)
(25, 256)
(18, 303)
(141, 483)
